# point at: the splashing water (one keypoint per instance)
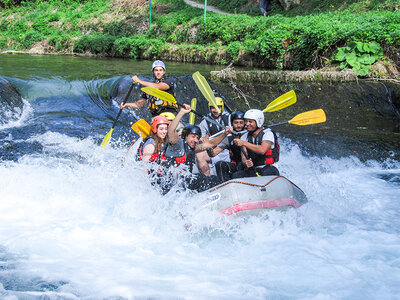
(76, 224)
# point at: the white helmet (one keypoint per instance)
(158, 63)
(256, 115)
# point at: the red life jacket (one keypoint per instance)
(156, 157)
(188, 158)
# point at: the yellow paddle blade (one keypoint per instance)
(152, 91)
(309, 117)
(205, 89)
(107, 138)
(192, 116)
(282, 101)
(142, 128)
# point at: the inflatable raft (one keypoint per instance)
(252, 195)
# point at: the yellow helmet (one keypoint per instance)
(219, 102)
(169, 115)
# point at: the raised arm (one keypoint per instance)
(172, 134)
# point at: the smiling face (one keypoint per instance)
(238, 125)
(215, 112)
(158, 72)
(251, 125)
(192, 140)
(162, 131)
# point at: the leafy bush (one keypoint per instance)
(97, 44)
(118, 29)
(136, 45)
(359, 56)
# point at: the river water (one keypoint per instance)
(76, 224)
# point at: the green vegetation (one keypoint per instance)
(281, 41)
(306, 7)
(359, 56)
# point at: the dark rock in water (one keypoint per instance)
(10, 102)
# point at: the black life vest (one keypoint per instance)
(234, 150)
(270, 157)
(156, 157)
(157, 106)
(188, 158)
(212, 128)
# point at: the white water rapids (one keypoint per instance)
(76, 225)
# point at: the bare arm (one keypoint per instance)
(138, 104)
(259, 149)
(148, 152)
(216, 151)
(161, 85)
(172, 134)
(214, 142)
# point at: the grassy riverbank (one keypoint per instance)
(120, 28)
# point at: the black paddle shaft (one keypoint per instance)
(120, 110)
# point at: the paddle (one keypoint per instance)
(142, 128)
(306, 118)
(152, 91)
(205, 89)
(193, 104)
(281, 102)
(108, 135)
(155, 92)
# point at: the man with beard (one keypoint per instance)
(182, 151)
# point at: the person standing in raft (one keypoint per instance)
(156, 106)
(183, 151)
(261, 146)
(225, 169)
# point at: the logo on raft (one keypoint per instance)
(211, 199)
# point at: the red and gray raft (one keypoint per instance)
(253, 195)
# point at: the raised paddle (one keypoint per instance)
(306, 118)
(108, 135)
(192, 116)
(142, 128)
(152, 91)
(281, 102)
(205, 89)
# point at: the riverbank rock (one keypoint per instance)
(384, 69)
(10, 102)
(228, 75)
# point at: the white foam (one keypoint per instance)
(19, 118)
(73, 214)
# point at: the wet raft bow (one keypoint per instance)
(252, 195)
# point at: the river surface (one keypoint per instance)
(76, 224)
